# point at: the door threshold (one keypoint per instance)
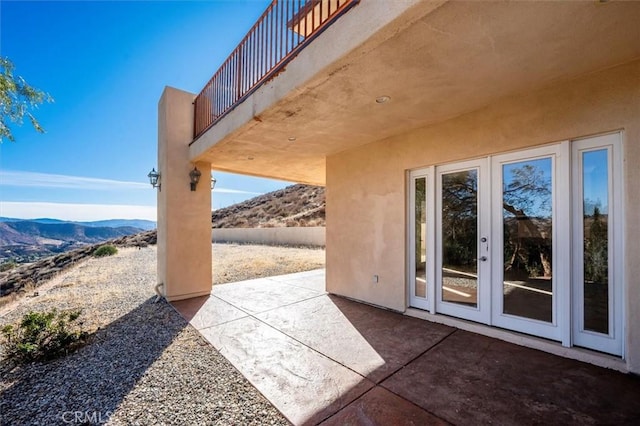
(555, 348)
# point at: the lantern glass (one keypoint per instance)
(194, 177)
(154, 178)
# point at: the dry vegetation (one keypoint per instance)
(142, 364)
(24, 279)
(261, 261)
(88, 285)
(296, 205)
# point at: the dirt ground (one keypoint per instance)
(87, 285)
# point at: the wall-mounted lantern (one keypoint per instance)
(154, 178)
(194, 177)
(213, 182)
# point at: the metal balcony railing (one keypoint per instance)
(284, 29)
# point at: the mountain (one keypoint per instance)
(27, 240)
(146, 225)
(111, 223)
(28, 232)
(296, 205)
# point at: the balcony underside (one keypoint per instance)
(434, 61)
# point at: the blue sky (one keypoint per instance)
(106, 64)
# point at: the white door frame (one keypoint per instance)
(560, 243)
(482, 312)
(427, 303)
(567, 325)
(611, 342)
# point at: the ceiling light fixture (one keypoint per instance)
(383, 99)
(291, 138)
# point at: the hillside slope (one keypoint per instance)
(29, 232)
(296, 205)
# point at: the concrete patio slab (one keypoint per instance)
(263, 294)
(303, 384)
(381, 407)
(473, 379)
(207, 311)
(312, 280)
(371, 341)
(321, 358)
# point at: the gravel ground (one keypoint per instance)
(143, 364)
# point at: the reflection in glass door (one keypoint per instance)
(595, 239)
(527, 225)
(597, 268)
(420, 223)
(532, 244)
(459, 227)
(420, 253)
(526, 245)
(462, 241)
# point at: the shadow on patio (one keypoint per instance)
(321, 358)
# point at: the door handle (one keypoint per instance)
(483, 258)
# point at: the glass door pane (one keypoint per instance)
(597, 296)
(420, 231)
(459, 227)
(595, 218)
(527, 239)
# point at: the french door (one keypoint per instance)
(531, 244)
(525, 241)
(463, 273)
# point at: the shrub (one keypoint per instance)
(43, 335)
(105, 250)
(9, 264)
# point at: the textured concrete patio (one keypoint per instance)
(323, 359)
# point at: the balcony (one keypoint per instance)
(284, 29)
(435, 60)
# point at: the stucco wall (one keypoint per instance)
(366, 186)
(295, 236)
(184, 216)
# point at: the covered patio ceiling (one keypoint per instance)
(434, 62)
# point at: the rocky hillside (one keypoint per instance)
(31, 232)
(296, 205)
(32, 274)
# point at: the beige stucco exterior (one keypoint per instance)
(466, 80)
(184, 216)
(435, 59)
(366, 186)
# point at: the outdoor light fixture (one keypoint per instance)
(194, 177)
(154, 178)
(213, 182)
(382, 99)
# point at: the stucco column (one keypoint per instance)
(184, 216)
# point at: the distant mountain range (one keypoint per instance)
(146, 225)
(28, 240)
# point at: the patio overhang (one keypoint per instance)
(434, 60)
